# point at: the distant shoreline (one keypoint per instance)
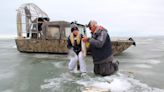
(154, 36)
(8, 36)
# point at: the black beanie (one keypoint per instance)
(74, 27)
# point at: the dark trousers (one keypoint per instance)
(106, 68)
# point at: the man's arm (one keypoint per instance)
(99, 42)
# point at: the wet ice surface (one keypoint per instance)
(140, 70)
(115, 83)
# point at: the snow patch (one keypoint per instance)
(56, 83)
(116, 83)
(143, 66)
(8, 90)
(59, 64)
(152, 61)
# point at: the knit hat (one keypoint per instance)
(74, 27)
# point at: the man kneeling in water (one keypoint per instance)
(74, 42)
(101, 50)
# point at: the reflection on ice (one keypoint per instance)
(146, 62)
(14, 46)
(54, 57)
(7, 75)
(40, 56)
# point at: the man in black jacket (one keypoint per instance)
(101, 50)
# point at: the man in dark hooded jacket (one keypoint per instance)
(101, 50)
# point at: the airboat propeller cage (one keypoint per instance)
(29, 15)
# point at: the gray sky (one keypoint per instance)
(120, 17)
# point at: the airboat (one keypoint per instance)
(37, 34)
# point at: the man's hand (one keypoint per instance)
(85, 39)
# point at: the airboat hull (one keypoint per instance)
(60, 47)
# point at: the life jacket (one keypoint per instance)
(72, 39)
(76, 42)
